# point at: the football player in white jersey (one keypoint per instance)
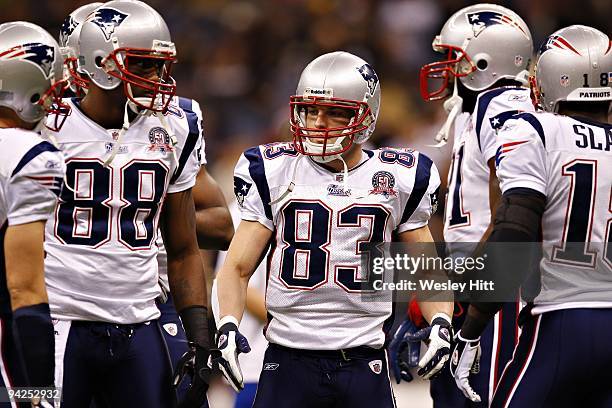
(31, 174)
(483, 78)
(129, 149)
(555, 172)
(213, 221)
(319, 201)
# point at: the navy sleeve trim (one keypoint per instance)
(258, 174)
(534, 122)
(483, 103)
(192, 118)
(421, 183)
(192, 139)
(33, 153)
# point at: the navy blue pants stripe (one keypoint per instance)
(292, 379)
(562, 360)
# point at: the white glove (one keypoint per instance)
(465, 361)
(230, 343)
(438, 339)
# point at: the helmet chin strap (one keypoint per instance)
(117, 143)
(453, 107)
(291, 186)
(144, 112)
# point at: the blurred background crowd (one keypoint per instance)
(241, 59)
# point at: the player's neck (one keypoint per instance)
(600, 116)
(106, 108)
(596, 112)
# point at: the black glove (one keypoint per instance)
(193, 363)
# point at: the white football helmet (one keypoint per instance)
(340, 80)
(574, 64)
(482, 44)
(119, 34)
(31, 74)
(69, 43)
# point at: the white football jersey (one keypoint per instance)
(191, 108)
(101, 260)
(569, 160)
(31, 176)
(468, 214)
(314, 293)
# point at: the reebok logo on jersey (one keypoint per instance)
(171, 329)
(270, 366)
(376, 366)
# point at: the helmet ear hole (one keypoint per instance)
(98, 61)
(482, 64)
(35, 98)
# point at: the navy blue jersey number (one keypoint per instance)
(579, 216)
(306, 235)
(355, 278)
(84, 215)
(457, 216)
(142, 189)
(391, 156)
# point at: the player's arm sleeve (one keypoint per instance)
(493, 109)
(34, 187)
(423, 199)
(251, 188)
(190, 156)
(521, 159)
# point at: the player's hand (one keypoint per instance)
(465, 360)
(195, 364)
(230, 343)
(438, 339)
(403, 354)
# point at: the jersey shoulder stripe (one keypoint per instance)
(484, 99)
(192, 138)
(534, 122)
(186, 105)
(421, 183)
(258, 174)
(41, 147)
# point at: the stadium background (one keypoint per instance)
(241, 59)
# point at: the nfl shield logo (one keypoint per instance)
(564, 80)
(171, 328)
(376, 366)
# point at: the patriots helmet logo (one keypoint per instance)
(108, 19)
(368, 74)
(42, 55)
(67, 29)
(557, 41)
(241, 189)
(483, 19)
